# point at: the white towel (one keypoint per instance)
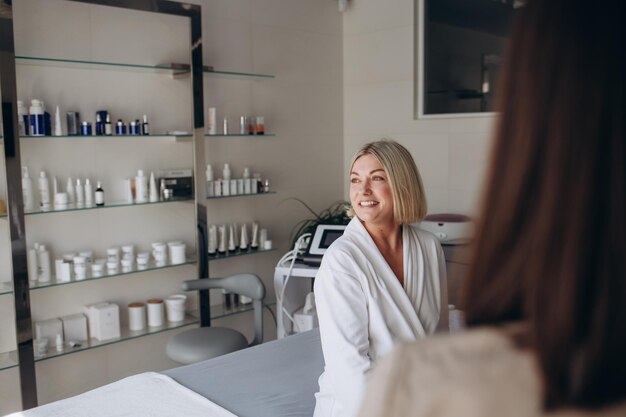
(148, 394)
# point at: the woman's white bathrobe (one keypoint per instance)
(364, 311)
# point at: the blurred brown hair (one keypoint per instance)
(550, 246)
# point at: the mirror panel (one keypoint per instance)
(460, 47)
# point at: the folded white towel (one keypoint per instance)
(148, 394)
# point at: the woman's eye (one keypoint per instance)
(354, 180)
(378, 178)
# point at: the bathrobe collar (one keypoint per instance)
(408, 298)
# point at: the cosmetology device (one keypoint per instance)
(323, 236)
(179, 181)
(450, 229)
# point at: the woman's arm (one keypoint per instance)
(343, 320)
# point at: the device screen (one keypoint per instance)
(329, 237)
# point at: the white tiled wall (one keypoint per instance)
(379, 57)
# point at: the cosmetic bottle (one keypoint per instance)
(69, 189)
(99, 194)
(80, 194)
(141, 187)
(85, 129)
(43, 261)
(254, 244)
(60, 201)
(120, 129)
(236, 235)
(210, 188)
(145, 127)
(251, 123)
(212, 121)
(231, 238)
(162, 189)
(218, 187)
(154, 193)
(247, 182)
(225, 126)
(108, 130)
(55, 186)
(133, 128)
(44, 191)
(266, 186)
(255, 184)
(212, 240)
(73, 123)
(33, 262)
(58, 129)
(128, 190)
(226, 181)
(243, 125)
(243, 241)
(260, 125)
(47, 121)
(227, 298)
(28, 193)
(88, 193)
(99, 125)
(22, 119)
(221, 246)
(59, 342)
(36, 125)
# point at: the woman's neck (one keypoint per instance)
(387, 236)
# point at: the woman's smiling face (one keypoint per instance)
(370, 191)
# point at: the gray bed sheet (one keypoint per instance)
(275, 379)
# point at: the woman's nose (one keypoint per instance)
(365, 188)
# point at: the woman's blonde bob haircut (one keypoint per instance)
(409, 199)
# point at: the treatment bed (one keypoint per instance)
(275, 379)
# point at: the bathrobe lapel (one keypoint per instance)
(407, 299)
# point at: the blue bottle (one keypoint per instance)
(36, 118)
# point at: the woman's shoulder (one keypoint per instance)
(480, 372)
(474, 373)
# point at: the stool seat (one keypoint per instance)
(204, 343)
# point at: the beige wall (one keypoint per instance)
(378, 66)
(299, 41)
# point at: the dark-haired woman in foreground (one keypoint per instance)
(546, 296)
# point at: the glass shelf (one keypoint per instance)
(219, 311)
(73, 63)
(240, 195)
(236, 135)
(236, 74)
(6, 288)
(177, 136)
(237, 253)
(151, 267)
(183, 70)
(125, 334)
(107, 205)
(8, 360)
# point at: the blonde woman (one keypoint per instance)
(383, 282)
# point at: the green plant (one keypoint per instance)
(333, 214)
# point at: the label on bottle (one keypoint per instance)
(99, 198)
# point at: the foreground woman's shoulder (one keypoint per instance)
(476, 373)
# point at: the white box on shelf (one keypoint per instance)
(104, 320)
(75, 327)
(48, 329)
